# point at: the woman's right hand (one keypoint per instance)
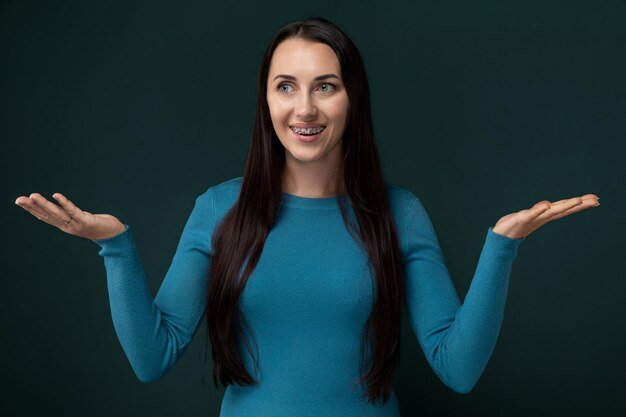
(81, 223)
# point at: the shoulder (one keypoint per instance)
(221, 196)
(226, 188)
(410, 214)
(401, 199)
(412, 220)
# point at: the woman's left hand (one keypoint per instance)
(523, 223)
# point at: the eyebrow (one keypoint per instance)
(319, 77)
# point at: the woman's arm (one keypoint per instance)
(457, 339)
(154, 333)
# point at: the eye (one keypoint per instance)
(282, 90)
(329, 85)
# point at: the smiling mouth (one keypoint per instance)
(309, 131)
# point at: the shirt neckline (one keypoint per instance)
(292, 200)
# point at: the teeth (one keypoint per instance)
(307, 131)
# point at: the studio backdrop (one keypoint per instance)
(480, 108)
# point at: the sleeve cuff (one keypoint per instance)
(503, 243)
(115, 241)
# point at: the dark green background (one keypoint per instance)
(480, 108)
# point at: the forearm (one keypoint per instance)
(155, 331)
(464, 349)
(137, 320)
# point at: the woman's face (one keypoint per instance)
(305, 90)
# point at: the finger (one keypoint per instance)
(591, 199)
(585, 204)
(545, 215)
(538, 210)
(29, 205)
(531, 215)
(567, 204)
(71, 209)
(36, 211)
(590, 196)
(566, 207)
(587, 198)
(575, 204)
(57, 214)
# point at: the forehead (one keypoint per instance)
(303, 59)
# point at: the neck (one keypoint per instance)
(310, 180)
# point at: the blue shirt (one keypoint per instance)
(307, 302)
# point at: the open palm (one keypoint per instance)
(523, 223)
(69, 218)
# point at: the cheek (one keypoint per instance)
(274, 113)
(341, 109)
(277, 110)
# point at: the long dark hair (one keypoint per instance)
(241, 235)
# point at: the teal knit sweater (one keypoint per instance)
(307, 302)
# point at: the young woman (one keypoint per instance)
(302, 264)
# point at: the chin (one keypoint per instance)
(304, 156)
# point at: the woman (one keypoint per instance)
(301, 265)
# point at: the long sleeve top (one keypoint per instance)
(307, 302)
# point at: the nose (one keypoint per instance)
(305, 107)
